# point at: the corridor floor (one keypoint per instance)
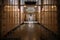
(31, 31)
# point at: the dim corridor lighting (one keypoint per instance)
(39, 9)
(22, 9)
(24, 6)
(30, 25)
(30, 22)
(35, 21)
(35, 6)
(53, 6)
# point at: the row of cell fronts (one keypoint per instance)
(12, 16)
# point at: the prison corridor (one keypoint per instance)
(29, 20)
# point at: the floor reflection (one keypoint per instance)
(31, 31)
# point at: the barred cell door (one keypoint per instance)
(29, 19)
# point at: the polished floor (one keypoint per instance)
(31, 31)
